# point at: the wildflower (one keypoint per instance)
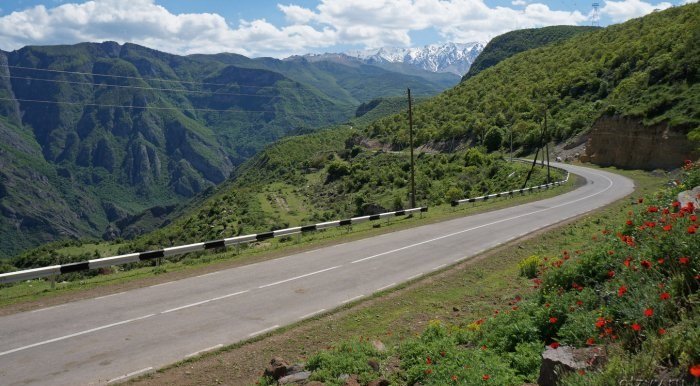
(691, 230)
(621, 291)
(636, 327)
(600, 322)
(649, 312)
(667, 228)
(590, 341)
(646, 264)
(579, 303)
(660, 261)
(485, 377)
(553, 320)
(454, 378)
(627, 262)
(428, 361)
(693, 218)
(581, 372)
(662, 331)
(629, 223)
(483, 347)
(664, 296)
(684, 260)
(554, 345)
(428, 371)
(442, 354)
(695, 370)
(611, 274)
(652, 209)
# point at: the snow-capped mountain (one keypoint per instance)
(449, 57)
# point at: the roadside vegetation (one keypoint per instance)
(631, 286)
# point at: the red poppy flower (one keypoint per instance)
(691, 230)
(485, 377)
(649, 312)
(667, 228)
(553, 320)
(664, 296)
(590, 341)
(621, 291)
(428, 361)
(676, 204)
(579, 303)
(646, 264)
(627, 262)
(662, 331)
(428, 371)
(652, 209)
(629, 223)
(684, 260)
(695, 370)
(554, 345)
(636, 327)
(693, 218)
(600, 322)
(660, 261)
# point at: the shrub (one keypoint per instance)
(529, 266)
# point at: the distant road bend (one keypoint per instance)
(110, 338)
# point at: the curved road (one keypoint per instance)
(106, 339)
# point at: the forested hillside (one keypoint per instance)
(94, 133)
(504, 46)
(645, 68)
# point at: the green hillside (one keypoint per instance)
(112, 130)
(646, 68)
(504, 46)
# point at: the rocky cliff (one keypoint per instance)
(627, 143)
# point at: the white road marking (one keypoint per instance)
(486, 225)
(130, 375)
(74, 335)
(204, 350)
(385, 287)
(161, 284)
(110, 295)
(414, 276)
(263, 330)
(439, 266)
(299, 277)
(209, 274)
(47, 308)
(203, 302)
(351, 299)
(312, 314)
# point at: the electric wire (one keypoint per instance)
(135, 107)
(134, 87)
(144, 78)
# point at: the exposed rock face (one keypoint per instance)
(627, 143)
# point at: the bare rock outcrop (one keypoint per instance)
(627, 143)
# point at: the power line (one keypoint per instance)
(135, 107)
(142, 78)
(134, 87)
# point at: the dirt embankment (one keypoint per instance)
(627, 143)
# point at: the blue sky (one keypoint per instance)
(279, 29)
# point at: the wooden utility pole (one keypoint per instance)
(410, 136)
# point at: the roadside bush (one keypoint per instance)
(529, 266)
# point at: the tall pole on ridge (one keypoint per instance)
(410, 131)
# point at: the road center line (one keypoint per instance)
(488, 224)
(74, 335)
(203, 302)
(299, 277)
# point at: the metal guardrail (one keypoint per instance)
(510, 193)
(55, 270)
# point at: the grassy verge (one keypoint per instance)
(457, 295)
(38, 293)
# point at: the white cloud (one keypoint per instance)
(370, 23)
(619, 11)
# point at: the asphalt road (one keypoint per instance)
(107, 339)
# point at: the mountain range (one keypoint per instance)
(95, 132)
